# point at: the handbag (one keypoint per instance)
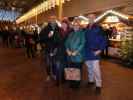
(72, 74)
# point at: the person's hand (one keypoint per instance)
(74, 53)
(69, 52)
(97, 52)
(51, 33)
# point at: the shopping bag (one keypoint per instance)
(72, 74)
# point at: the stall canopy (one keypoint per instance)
(114, 15)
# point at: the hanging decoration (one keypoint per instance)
(111, 12)
(63, 1)
(57, 2)
(43, 7)
(53, 3)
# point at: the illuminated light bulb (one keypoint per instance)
(53, 3)
(112, 19)
(49, 4)
(44, 6)
(42, 9)
(119, 14)
(113, 12)
(57, 2)
(83, 17)
(63, 1)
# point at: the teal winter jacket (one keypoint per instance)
(76, 42)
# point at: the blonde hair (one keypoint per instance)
(77, 21)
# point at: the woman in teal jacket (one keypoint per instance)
(74, 48)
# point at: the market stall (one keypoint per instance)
(118, 27)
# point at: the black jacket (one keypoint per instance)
(50, 42)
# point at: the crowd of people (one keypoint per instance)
(19, 38)
(69, 46)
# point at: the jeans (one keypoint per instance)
(94, 72)
(55, 67)
(30, 51)
(50, 61)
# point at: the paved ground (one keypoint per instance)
(24, 79)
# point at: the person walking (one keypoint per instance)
(29, 44)
(36, 38)
(95, 43)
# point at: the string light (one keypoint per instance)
(57, 2)
(63, 1)
(112, 12)
(49, 4)
(43, 7)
